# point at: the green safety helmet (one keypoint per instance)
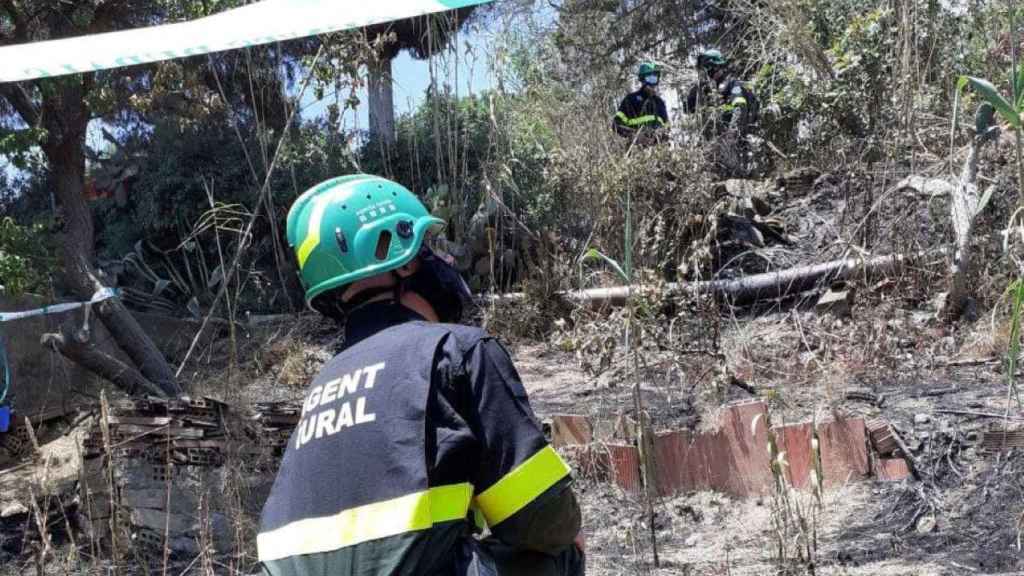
(648, 68)
(710, 59)
(353, 227)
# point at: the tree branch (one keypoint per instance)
(20, 24)
(85, 354)
(18, 98)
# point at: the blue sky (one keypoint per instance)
(471, 67)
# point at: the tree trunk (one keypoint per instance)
(963, 207)
(85, 354)
(749, 289)
(382, 100)
(67, 166)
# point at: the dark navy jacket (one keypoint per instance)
(404, 434)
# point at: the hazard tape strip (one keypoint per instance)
(100, 295)
(252, 25)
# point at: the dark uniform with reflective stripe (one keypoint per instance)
(640, 110)
(404, 435)
(737, 105)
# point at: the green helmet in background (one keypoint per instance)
(648, 68)
(711, 59)
(353, 227)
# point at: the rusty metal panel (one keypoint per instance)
(892, 469)
(570, 430)
(795, 441)
(670, 451)
(844, 451)
(736, 457)
(625, 467)
(733, 459)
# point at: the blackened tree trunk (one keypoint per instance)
(66, 118)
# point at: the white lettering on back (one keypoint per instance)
(305, 433)
(344, 416)
(329, 389)
(330, 421)
(349, 384)
(361, 416)
(371, 374)
(325, 423)
(311, 401)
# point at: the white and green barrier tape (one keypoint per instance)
(100, 295)
(252, 25)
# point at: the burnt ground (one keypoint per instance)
(976, 499)
(964, 517)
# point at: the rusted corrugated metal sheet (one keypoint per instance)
(734, 459)
(625, 467)
(670, 451)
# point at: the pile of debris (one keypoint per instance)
(158, 471)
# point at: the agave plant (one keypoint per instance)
(1011, 108)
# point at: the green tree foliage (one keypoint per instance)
(26, 257)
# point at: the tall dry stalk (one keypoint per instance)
(1015, 77)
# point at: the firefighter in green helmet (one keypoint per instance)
(733, 112)
(419, 429)
(716, 86)
(642, 115)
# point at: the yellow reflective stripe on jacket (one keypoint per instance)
(739, 101)
(522, 485)
(417, 511)
(639, 120)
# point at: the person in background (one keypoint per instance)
(642, 115)
(718, 88)
(734, 112)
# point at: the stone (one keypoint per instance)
(158, 521)
(184, 545)
(13, 509)
(920, 419)
(798, 182)
(838, 303)
(926, 524)
(155, 498)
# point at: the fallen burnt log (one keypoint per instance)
(753, 288)
(81, 350)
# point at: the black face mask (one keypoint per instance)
(441, 285)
